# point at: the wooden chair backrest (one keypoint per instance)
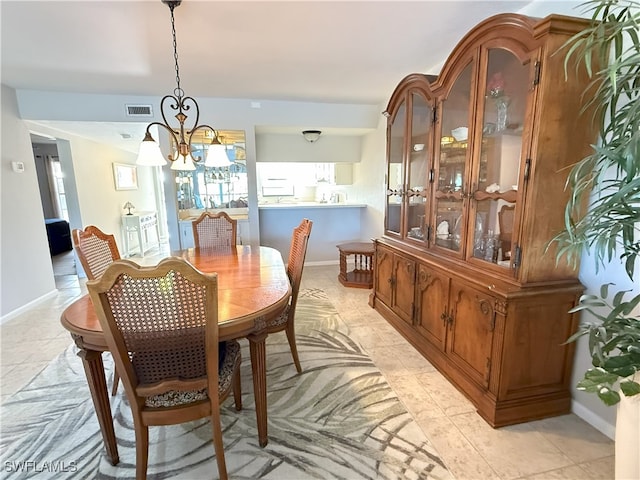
(505, 219)
(161, 324)
(297, 254)
(95, 249)
(214, 230)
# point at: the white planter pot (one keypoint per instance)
(628, 437)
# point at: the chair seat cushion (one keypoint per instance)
(225, 376)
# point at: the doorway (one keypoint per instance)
(53, 199)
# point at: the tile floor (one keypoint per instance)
(557, 448)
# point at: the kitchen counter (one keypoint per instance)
(298, 205)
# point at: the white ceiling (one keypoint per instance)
(319, 51)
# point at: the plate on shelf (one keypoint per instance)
(460, 133)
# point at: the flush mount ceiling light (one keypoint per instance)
(180, 137)
(311, 135)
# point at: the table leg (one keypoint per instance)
(94, 370)
(140, 244)
(259, 370)
(127, 248)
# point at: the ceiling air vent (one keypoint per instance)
(139, 111)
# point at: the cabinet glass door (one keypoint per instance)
(395, 175)
(505, 105)
(454, 154)
(418, 164)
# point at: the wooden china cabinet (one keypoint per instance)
(477, 162)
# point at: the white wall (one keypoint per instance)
(369, 180)
(26, 273)
(294, 148)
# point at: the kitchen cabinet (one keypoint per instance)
(342, 173)
(477, 160)
(333, 173)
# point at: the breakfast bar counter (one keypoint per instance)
(333, 223)
(300, 205)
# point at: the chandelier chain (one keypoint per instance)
(178, 91)
(181, 139)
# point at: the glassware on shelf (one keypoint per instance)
(502, 106)
(478, 237)
(457, 231)
(478, 246)
(491, 247)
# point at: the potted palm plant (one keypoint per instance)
(610, 228)
(607, 225)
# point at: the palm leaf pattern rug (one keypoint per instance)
(339, 419)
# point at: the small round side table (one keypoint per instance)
(362, 274)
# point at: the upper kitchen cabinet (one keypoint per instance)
(477, 161)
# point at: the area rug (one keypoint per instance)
(339, 419)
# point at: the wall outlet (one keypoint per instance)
(17, 167)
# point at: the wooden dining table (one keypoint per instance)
(252, 288)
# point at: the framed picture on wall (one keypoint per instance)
(125, 176)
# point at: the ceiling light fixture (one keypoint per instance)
(311, 135)
(181, 137)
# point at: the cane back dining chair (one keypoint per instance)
(214, 230)
(161, 325)
(96, 251)
(285, 320)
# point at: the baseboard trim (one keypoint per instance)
(322, 262)
(14, 313)
(596, 421)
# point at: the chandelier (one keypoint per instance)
(181, 138)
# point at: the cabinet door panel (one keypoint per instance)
(497, 171)
(471, 335)
(453, 164)
(404, 280)
(384, 275)
(395, 172)
(417, 171)
(431, 303)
